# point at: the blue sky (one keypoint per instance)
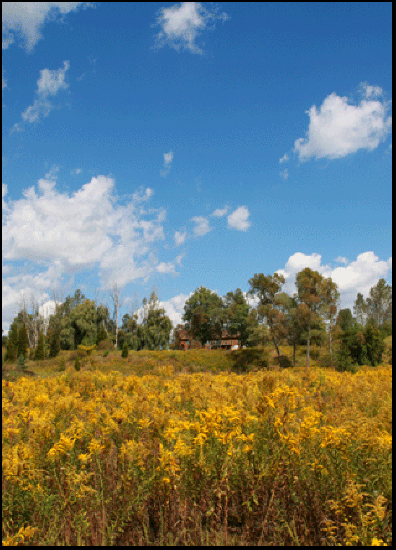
(169, 146)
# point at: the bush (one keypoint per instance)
(77, 364)
(285, 362)
(21, 361)
(125, 350)
(243, 359)
(106, 345)
(106, 353)
(62, 365)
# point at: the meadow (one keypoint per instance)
(192, 448)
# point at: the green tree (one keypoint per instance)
(236, 311)
(23, 341)
(311, 288)
(203, 315)
(11, 353)
(125, 350)
(39, 353)
(360, 309)
(374, 344)
(156, 327)
(268, 290)
(84, 323)
(379, 303)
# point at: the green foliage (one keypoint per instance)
(154, 332)
(203, 314)
(23, 341)
(125, 350)
(102, 335)
(106, 353)
(11, 353)
(106, 344)
(244, 359)
(21, 360)
(374, 344)
(236, 313)
(54, 344)
(77, 365)
(62, 365)
(39, 352)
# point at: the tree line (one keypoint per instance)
(311, 317)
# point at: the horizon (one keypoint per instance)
(171, 146)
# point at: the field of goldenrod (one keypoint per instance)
(294, 457)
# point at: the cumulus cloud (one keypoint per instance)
(201, 226)
(168, 157)
(180, 237)
(26, 19)
(49, 84)
(58, 234)
(340, 127)
(239, 219)
(180, 25)
(355, 276)
(341, 260)
(219, 212)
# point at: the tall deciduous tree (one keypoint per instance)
(236, 315)
(331, 298)
(360, 309)
(312, 293)
(115, 294)
(268, 289)
(203, 315)
(379, 303)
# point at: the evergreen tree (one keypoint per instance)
(125, 350)
(39, 353)
(54, 345)
(374, 344)
(11, 353)
(23, 341)
(102, 334)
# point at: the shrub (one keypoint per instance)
(21, 361)
(62, 365)
(243, 359)
(106, 353)
(106, 345)
(125, 350)
(77, 364)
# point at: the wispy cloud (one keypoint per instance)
(168, 158)
(180, 237)
(26, 19)
(201, 226)
(239, 219)
(181, 24)
(49, 84)
(339, 127)
(220, 212)
(284, 174)
(285, 158)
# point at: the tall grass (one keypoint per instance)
(290, 457)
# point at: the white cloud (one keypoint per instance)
(76, 171)
(168, 157)
(356, 276)
(58, 234)
(49, 83)
(239, 219)
(202, 226)
(219, 212)
(174, 308)
(3, 80)
(341, 260)
(180, 237)
(28, 18)
(284, 174)
(339, 127)
(181, 24)
(285, 158)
